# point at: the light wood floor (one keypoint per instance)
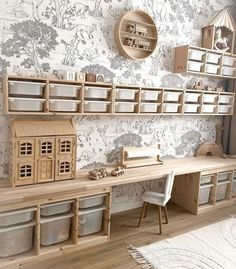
(124, 231)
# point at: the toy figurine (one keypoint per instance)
(98, 173)
(118, 171)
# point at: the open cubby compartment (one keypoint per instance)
(210, 98)
(225, 110)
(65, 90)
(65, 106)
(172, 95)
(226, 98)
(126, 107)
(229, 60)
(213, 57)
(127, 93)
(223, 190)
(192, 97)
(151, 95)
(97, 91)
(150, 107)
(207, 189)
(225, 176)
(26, 105)
(103, 107)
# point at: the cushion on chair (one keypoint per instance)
(154, 198)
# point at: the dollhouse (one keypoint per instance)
(42, 151)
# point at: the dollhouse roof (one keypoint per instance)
(30, 128)
(223, 18)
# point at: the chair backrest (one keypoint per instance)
(168, 187)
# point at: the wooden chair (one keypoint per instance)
(159, 199)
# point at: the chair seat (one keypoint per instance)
(154, 198)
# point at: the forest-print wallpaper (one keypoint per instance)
(41, 37)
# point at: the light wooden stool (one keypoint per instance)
(159, 199)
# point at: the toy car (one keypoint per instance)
(118, 171)
(98, 173)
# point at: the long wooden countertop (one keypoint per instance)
(34, 194)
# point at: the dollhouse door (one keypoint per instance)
(45, 170)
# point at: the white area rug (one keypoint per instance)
(211, 247)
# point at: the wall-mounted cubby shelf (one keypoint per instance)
(201, 61)
(40, 96)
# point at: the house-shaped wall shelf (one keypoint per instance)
(42, 151)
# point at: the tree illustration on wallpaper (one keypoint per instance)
(3, 66)
(33, 40)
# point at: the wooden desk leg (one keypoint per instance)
(141, 214)
(166, 214)
(146, 210)
(160, 219)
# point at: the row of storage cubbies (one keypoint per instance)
(35, 96)
(206, 62)
(218, 187)
(41, 229)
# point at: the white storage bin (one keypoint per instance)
(150, 95)
(194, 66)
(171, 96)
(228, 71)
(209, 98)
(125, 94)
(190, 108)
(95, 92)
(25, 104)
(63, 90)
(234, 188)
(95, 106)
(192, 97)
(91, 201)
(16, 216)
(224, 109)
(195, 55)
(90, 220)
(55, 229)
(229, 61)
(213, 58)
(225, 99)
(204, 194)
(173, 108)
(63, 105)
(125, 107)
(149, 107)
(211, 68)
(205, 179)
(221, 191)
(208, 108)
(55, 208)
(26, 88)
(16, 239)
(223, 176)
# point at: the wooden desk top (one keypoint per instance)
(42, 193)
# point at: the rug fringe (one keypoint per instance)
(138, 257)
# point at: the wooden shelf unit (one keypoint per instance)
(114, 99)
(75, 242)
(206, 62)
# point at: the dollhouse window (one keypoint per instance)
(26, 149)
(65, 147)
(64, 167)
(25, 171)
(46, 147)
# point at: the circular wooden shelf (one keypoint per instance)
(136, 35)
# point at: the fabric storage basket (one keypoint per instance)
(190, 108)
(208, 108)
(91, 201)
(229, 61)
(224, 109)
(63, 105)
(90, 220)
(16, 239)
(195, 55)
(170, 108)
(221, 191)
(213, 58)
(225, 99)
(194, 66)
(171, 96)
(16, 216)
(63, 90)
(148, 107)
(209, 98)
(228, 71)
(150, 95)
(26, 104)
(125, 94)
(192, 97)
(205, 179)
(204, 194)
(95, 92)
(26, 88)
(211, 68)
(55, 229)
(125, 107)
(95, 106)
(55, 208)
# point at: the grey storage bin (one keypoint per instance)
(16, 216)
(55, 229)
(234, 188)
(26, 88)
(204, 194)
(91, 201)
(63, 90)
(56, 208)
(90, 220)
(223, 176)
(16, 239)
(221, 191)
(205, 179)
(25, 104)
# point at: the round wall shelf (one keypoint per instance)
(136, 35)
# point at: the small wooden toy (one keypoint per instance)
(208, 88)
(98, 173)
(99, 78)
(90, 77)
(132, 42)
(69, 75)
(80, 76)
(118, 171)
(198, 86)
(137, 29)
(219, 89)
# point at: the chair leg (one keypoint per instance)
(146, 210)
(160, 219)
(141, 214)
(166, 214)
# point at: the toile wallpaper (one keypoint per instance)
(41, 37)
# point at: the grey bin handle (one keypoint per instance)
(82, 221)
(93, 196)
(14, 212)
(91, 210)
(50, 219)
(17, 226)
(57, 203)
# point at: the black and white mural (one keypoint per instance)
(38, 37)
